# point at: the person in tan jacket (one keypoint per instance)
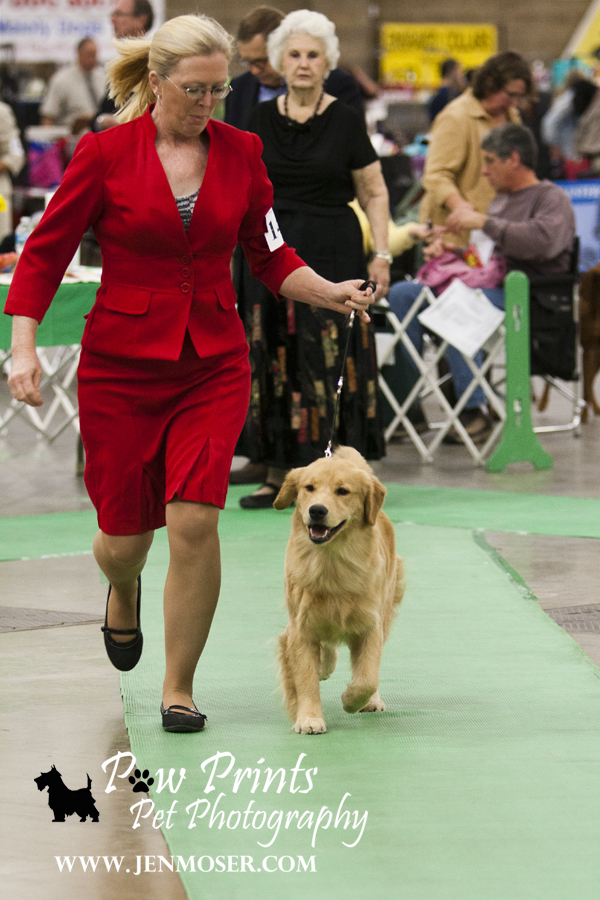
(12, 158)
(452, 176)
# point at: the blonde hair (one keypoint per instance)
(175, 40)
(304, 21)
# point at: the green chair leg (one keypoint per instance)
(519, 442)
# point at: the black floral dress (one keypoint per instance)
(296, 350)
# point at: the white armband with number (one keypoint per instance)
(273, 234)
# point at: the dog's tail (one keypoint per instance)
(391, 610)
(286, 678)
(89, 785)
(400, 582)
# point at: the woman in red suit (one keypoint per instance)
(164, 376)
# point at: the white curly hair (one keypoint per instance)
(304, 21)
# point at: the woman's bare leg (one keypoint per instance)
(191, 593)
(122, 558)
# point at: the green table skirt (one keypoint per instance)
(63, 323)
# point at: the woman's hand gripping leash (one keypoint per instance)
(365, 286)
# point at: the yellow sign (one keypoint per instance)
(411, 54)
(587, 36)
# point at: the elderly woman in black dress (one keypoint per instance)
(318, 157)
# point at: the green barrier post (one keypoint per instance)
(519, 442)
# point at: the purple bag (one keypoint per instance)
(440, 271)
(46, 165)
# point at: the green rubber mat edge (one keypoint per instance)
(53, 534)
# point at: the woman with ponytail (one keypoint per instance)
(164, 376)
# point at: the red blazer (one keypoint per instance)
(157, 280)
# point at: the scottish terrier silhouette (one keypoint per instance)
(64, 802)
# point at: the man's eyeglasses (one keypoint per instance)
(199, 93)
(255, 63)
(514, 95)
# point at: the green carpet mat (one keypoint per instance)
(494, 510)
(72, 533)
(51, 534)
(479, 781)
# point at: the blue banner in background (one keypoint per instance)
(585, 197)
(49, 30)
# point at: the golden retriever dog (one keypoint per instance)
(343, 584)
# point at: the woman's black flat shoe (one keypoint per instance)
(260, 501)
(182, 722)
(124, 656)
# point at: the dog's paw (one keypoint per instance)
(375, 704)
(354, 699)
(310, 725)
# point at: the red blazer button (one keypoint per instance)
(184, 260)
(186, 272)
(185, 287)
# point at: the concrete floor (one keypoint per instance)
(61, 699)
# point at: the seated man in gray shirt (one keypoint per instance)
(532, 225)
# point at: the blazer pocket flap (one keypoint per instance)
(226, 295)
(124, 298)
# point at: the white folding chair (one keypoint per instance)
(58, 387)
(428, 384)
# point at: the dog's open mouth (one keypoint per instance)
(320, 534)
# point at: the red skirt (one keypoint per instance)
(154, 430)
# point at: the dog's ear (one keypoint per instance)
(289, 490)
(374, 500)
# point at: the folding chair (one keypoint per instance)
(428, 384)
(555, 356)
(58, 385)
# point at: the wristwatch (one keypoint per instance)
(380, 254)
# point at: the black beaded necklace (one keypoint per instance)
(292, 123)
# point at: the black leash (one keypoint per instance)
(340, 384)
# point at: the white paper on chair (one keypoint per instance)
(384, 348)
(483, 244)
(462, 316)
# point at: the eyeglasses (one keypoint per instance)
(255, 63)
(199, 93)
(514, 95)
